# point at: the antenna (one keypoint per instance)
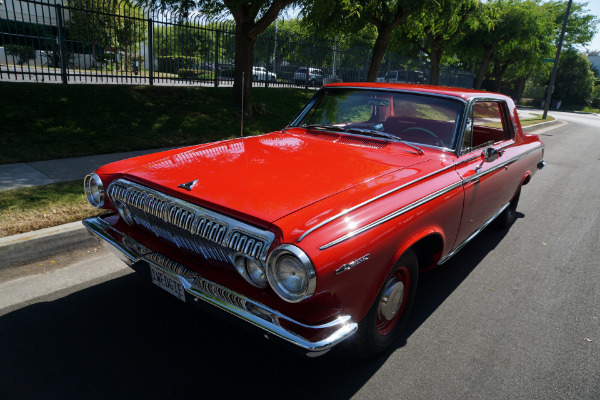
(243, 86)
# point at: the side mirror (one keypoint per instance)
(490, 154)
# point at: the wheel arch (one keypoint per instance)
(427, 245)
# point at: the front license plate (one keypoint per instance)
(167, 282)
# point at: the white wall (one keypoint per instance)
(79, 60)
(15, 10)
(595, 60)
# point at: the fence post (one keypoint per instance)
(61, 44)
(216, 63)
(151, 51)
(307, 67)
(267, 65)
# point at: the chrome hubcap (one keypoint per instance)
(391, 300)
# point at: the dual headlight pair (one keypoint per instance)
(289, 271)
(94, 191)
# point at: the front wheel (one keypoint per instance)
(387, 317)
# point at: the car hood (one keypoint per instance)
(267, 177)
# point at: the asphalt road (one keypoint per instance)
(514, 315)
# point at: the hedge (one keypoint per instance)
(172, 64)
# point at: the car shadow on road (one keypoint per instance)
(123, 338)
(438, 284)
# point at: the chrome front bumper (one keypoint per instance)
(272, 322)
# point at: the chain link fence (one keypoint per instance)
(115, 41)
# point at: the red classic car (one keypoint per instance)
(316, 234)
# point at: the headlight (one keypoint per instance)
(94, 190)
(125, 213)
(291, 273)
(251, 270)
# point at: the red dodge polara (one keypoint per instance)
(316, 234)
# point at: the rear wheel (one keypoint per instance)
(386, 318)
(509, 215)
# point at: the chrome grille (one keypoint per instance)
(198, 283)
(188, 226)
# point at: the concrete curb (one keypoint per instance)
(541, 125)
(28, 247)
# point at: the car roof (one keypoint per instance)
(461, 93)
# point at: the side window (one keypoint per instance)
(487, 125)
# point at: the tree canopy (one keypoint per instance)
(574, 78)
(505, 41)
(110, 25)
(437, 27)
(348, 16)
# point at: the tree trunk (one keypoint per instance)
(436, 59)
(519, 88)
(487, 57)
(244, 58)
(383, 37)
(499, 71)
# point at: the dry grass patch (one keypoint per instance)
(33, 208)
(536, 120)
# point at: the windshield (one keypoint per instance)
(416, 118)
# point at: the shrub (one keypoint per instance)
(171, 64)
(574, 79)
(194, 74)
(22, 53)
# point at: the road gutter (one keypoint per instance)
(32, 246)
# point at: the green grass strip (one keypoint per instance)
(50, 121)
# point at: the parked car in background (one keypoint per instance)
(314, 76)
(402, 76)
(317, 234)
(260, 74)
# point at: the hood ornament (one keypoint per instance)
(189, 185)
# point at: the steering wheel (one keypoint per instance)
(438, 141)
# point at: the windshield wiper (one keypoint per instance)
(363, 131)
(374, 132)
(324, 127)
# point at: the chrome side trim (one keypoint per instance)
(253, 312)
(417, 203)
(341, 214)
(467, 240)
(393, 215)
(501, 165)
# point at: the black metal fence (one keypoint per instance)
(115, 41)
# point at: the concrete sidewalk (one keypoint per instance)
(38, 173)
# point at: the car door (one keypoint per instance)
(489, 183)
